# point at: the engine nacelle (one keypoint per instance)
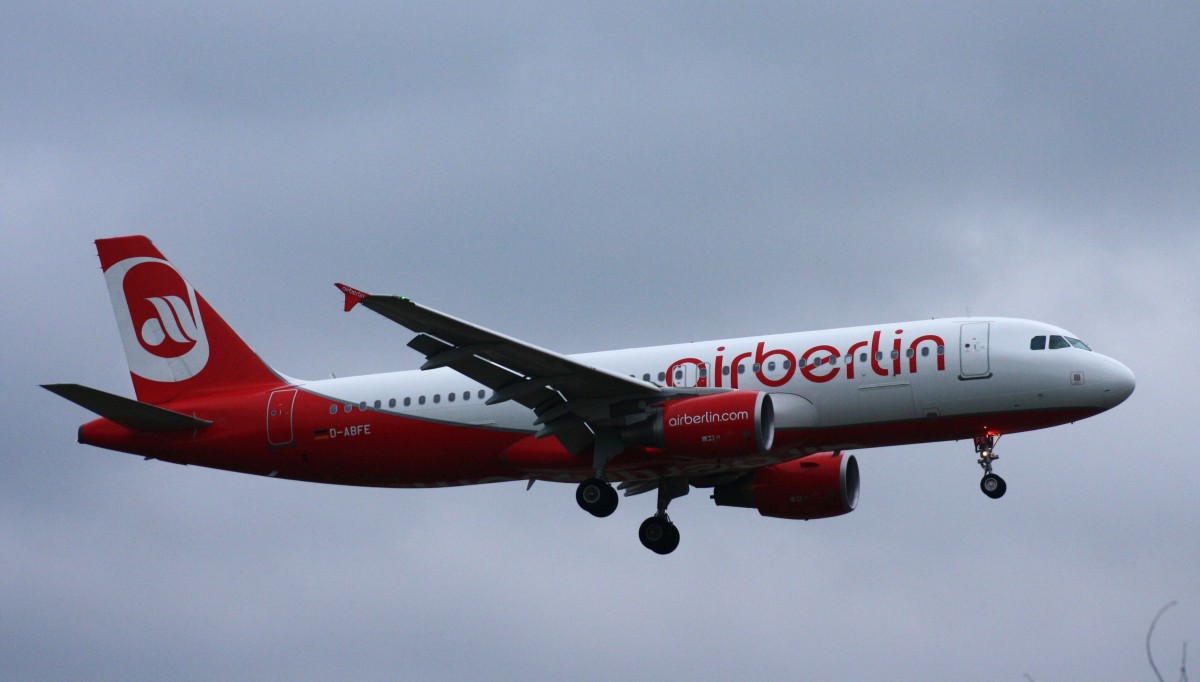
(732, 424)
(813, 487)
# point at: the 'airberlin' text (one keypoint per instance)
(819, 364)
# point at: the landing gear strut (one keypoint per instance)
(595, 495)
(991, 484)
(657, 533)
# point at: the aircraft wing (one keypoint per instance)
(570, 399)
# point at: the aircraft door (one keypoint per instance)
(973, 350)
(279, 417)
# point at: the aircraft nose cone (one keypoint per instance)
(1118, 384)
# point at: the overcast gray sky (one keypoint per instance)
(588, 177)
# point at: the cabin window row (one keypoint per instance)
(662, 376)
(409, 401)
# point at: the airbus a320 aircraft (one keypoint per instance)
(764, 421)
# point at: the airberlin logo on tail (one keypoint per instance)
(174, 321)
(159, 318)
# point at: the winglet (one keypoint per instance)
(353, 296)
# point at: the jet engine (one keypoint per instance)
(732, 424)
(813, 487)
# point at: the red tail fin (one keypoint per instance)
(175, 343)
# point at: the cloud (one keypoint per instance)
(590, 178)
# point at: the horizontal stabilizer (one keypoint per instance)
(129, 413)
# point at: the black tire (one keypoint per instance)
(596, 497)
(993, 486)
(659, 535)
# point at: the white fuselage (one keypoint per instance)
(927, 370)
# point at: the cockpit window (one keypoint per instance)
(1056, 342)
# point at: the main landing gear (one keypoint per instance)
(657, 533)
(596, 497)
(991, 484)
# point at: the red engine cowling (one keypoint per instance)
(813, 487)
(731, 424)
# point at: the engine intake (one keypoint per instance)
(813, 487)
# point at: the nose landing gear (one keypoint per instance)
(991, 484)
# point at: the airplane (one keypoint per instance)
(764, 422)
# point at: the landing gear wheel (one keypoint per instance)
(596, 497)
(659, 535)
(993, 486)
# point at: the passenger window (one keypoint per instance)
(662, 376)
(392, 402)
(1057, 342)
(421, 400)
(787, 364)
(679, 375)
(362, 407)
(646, 377)
(437, 398)
(862, 357)
(770, 366)
(941, 350)
(909, 353)
(407, 402)
(878, 356)
(333, 409)
(895, 354)
(450, 397)
(481, 394)
(703, 371)
(466, 395)
(378, 404)
(757, 367)
(725, 370)
(925, 351)
(1037, 343)
(741, 369)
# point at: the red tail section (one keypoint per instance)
(175, 343)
